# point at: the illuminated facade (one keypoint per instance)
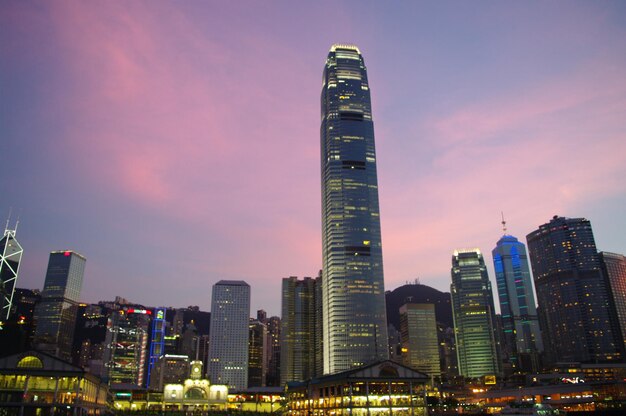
(474, 315)
(10, 258)
(354, 317)
(298, 344)
(418, 333)
(520, 323)
(157, 340)
(257, 354)
(577, 319)
(229, 335)
(381, 388)
(614, 268)
(127, 347)
(55, 315)
(34, 383)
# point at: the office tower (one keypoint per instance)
(418, 333)
(614, 269)
(157, 341)
(228, 345)
(474, 316)
(354, 321)
(55, 315)
(257, 354)
(522, 337)
(273, 355)
(127, 347)
(576, 316)
(10, 258)
(298, 329)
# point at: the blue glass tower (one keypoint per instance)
(353, 294)
(522, 337)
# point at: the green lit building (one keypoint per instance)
(474, 315)
(418, 333)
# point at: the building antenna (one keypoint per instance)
(6, 227)
(503, 222)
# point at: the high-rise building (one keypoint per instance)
(10, 258)
(273, 354)
(157, 341)
(577, 319)
(614, 268)
(298, 333)
(522, 337)
(354, 321)
(474, 315)
(257, 354)
(55, 315)
(228, 345)
(126, 354)
(418, 333)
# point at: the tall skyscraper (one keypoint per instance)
(298, 333)
(126, 354)
(576, 316)
(418, 333)
(10, 258)
(157, 340)
(55, 315)
(257, 354)
(229, 336)
(614, 268)
(522, 337)
(354, 321)
(474, 315)
(273, 355)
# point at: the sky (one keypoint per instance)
(176, 144)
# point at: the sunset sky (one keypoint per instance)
(175, 144)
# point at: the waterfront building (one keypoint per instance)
(354, 321)
(35, 383)
(229, 335)
(55, 315)
(576, 314)
(381, 388)
(474, 315)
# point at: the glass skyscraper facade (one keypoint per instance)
(55, 315)
(229, 334)
(576, 315)
(10, 258)
(299, 329)
(614, 268)
(474, 315)
(520, 324)
(418, 331)
(353, 294)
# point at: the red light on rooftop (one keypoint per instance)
(67, 253)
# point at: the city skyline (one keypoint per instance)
(129, 124)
